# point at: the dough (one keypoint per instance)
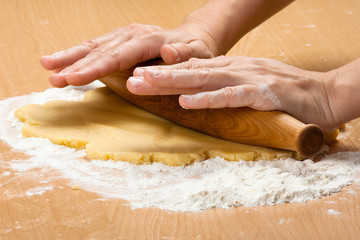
(108, 127)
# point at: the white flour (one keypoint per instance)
(214, 183)
(267, 93)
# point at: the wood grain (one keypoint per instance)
(317, 35)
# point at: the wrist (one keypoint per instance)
(343, 85)
(218, 23)
(309, 97)
(202, 31)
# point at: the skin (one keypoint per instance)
(205, 81)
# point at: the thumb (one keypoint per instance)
(181, 52)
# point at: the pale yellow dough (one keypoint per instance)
(107, 127)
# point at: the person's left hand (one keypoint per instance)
(259, 83)
(123, 48)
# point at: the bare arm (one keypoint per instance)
(225, 22)
(344, 91)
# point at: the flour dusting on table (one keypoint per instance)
(214, 183)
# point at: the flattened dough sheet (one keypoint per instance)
(108, 127)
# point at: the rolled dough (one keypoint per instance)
(108, 127)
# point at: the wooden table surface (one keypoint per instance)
(316, 35)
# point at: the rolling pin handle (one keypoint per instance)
(310, 140)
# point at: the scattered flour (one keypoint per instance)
(214, 183)
(306, 26)
(333, 212)
(5, 173)
(38, 190)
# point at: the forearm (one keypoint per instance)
(344, 89)
(225, 22)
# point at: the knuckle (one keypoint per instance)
(150, 29)
(143, 30)
(229, 93)
(190, 65)
(134, 26)
(258, 61)
(149, 35)
(115, 54)
(115, 58)
(227, 61)
(92, 44)
(222, 57)
(205, 73)
(97, 52)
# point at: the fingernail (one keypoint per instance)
(62, 72)
(57, 53)
(186, 97)
(154, 72)
(138, 72)
(136, 82)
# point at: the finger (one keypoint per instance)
(139, 71)
(183, 78)
(202, 78)
(141, 87)
(196, 73)
(180, 52)
(238, 96)
(194, 63)
(57, 82)
(69, 56)
(99, 64)
(169, 54)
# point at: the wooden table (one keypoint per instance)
(317, 35)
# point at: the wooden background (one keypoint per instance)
(317, 35)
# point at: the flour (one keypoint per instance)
(333, 212)
(38, 190)
(214, 183)
(267, 93)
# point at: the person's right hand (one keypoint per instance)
(259, 83)
(123, 48)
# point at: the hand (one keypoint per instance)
(123, 48)
(259, 83)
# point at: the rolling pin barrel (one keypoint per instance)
(273, 129)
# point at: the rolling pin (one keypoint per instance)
(273, 129)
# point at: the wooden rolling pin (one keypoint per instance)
(273, 129)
